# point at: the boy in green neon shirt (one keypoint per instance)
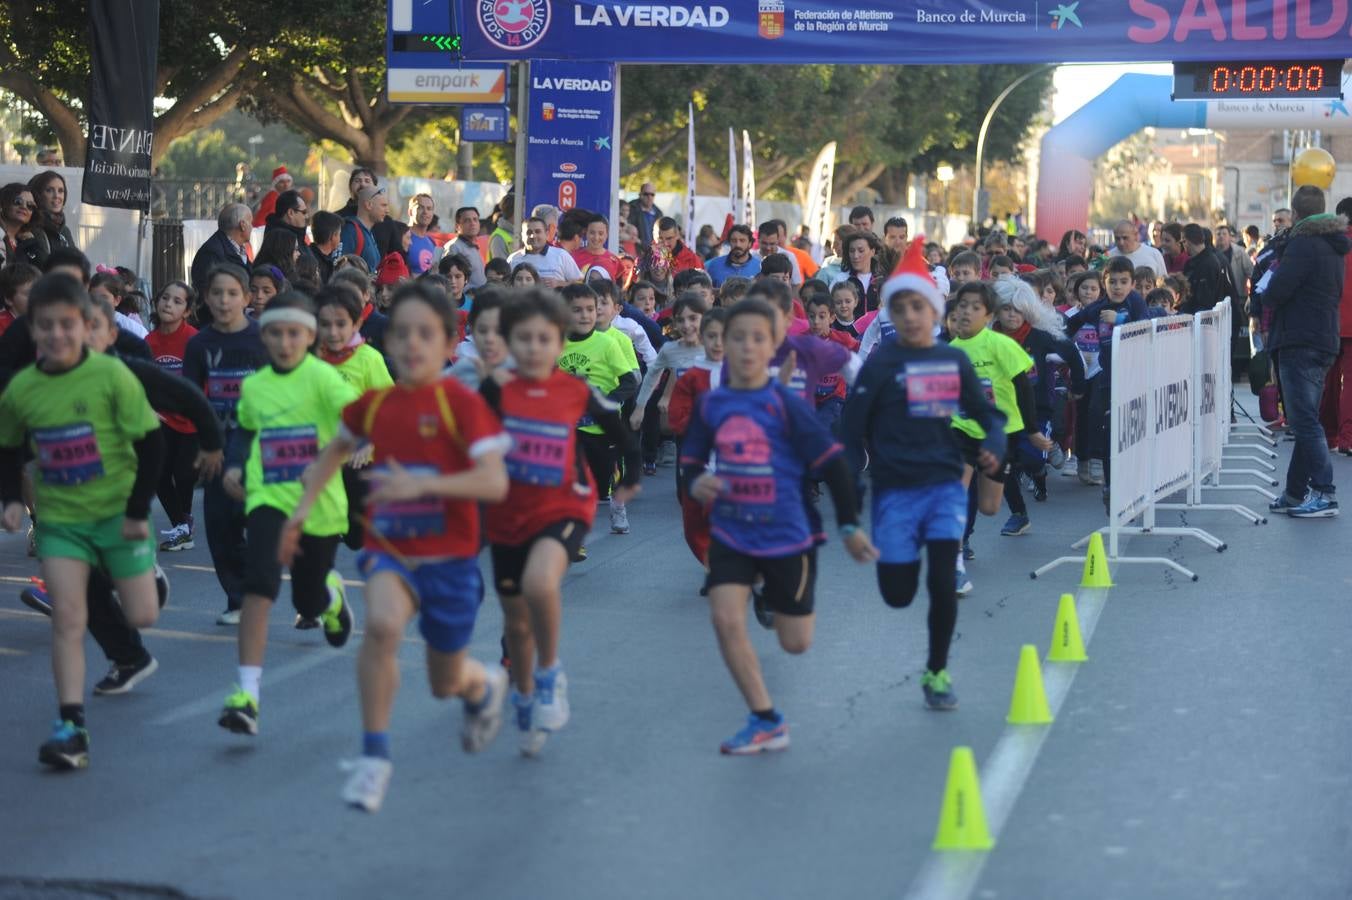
(287, 413)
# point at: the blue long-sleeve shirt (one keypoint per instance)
(1136, 311)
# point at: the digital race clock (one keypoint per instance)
(1238, 80)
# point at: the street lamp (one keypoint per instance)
(254, 143)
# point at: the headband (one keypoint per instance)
(288, 314)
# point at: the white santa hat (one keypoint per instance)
(913, 274)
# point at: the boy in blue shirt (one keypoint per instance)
(899, 414)
(765, 439)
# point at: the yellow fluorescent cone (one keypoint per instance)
(962, 821)
(1028, 706)
(1067, 645)
(1096, 565)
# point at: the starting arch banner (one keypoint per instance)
(899, 31)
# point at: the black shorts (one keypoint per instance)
(263, 573)
(509, 560)
(970, 448)
(790, 581)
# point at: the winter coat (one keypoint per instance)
(1307, 286)
(1207, 282)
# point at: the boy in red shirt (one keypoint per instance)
(440, 453)
(178, 479)
(549, 508)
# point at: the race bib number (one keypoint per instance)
(539, 450)
(933, 390)
(286, 452)
(69, 455)
(223, 390)
(407, 519)
(172, 364)
(749, 495)
(828, 385)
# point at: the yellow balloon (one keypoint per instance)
(1313, 165)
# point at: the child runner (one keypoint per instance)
(601, 359)
(169, 344)
(845, 298)
(338, 310)
(287, 413)
(898, 419)
(672, 361)
(15, 282)
(766, 442)
(217, 359)
(702, 377)
(265, 282)
(830, 390)
(1085, 289)
(439, 451)
(1003, 367)
(486, 349)
(98, 449)
(539, 528)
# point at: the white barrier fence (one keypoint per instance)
(1169, 428)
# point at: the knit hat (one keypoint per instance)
(279, 172)
(392, 270)
(912, 274)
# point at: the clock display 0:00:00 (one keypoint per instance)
(1264, 79)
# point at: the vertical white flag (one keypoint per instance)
(732, 174)
(690, 183)
(748, 183)
(819, 188)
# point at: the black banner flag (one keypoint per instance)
(124, 40)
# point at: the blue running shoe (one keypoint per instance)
(67, 748)
(757, 736)
(1284, 504)
(1316, 506)
(964, 584)
(1015, 526)
(35, 597)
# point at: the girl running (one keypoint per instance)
(178, 480)
(705, 375)
(440, 452)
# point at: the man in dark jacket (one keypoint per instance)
(1304, 293)
(234, 227)
(1206, 273)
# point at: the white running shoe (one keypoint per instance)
(1056, 457)
(366, 786)
(482, 726)
(229, 617)
(532, 738)
(551, 699)
(1071, 467)
(619, 518)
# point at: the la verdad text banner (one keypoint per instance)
(905, 31)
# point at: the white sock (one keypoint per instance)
(250, 679)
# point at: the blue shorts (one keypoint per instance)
(448, 595)
(906, 518)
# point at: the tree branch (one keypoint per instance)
(218, 80)
(63, 119)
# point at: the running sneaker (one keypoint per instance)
(67, 748)
(1284, 504)
(1056, 457)
(757, 736)
(938, 688)
(764, 614)
(161, 586)
(1318, 505)
(532, 738)
(1096, 470)
(1071, 468)
(1040, 489)
(337, 619)
(581, 555)
(305, 623)
(229, 617)
(964, 584)
(483, 720)
(366, 786)
(619, 519)
(177, 538)
(1345, 451)
(968, 554)
(1015, 526)
(240, 714)
(551, 699)
(668, 454)
(35, 596)
(650, 468)
(121, 679)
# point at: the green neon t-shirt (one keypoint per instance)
(602, 361)
(998, 360)
(293, 415)
(81, 425)
(365, 370)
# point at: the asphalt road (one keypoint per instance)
(1201, 752)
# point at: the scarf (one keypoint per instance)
(338, 357)
(1021, 333)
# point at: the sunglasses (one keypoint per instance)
(31, 207)
(648, 194)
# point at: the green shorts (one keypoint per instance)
(97, 543)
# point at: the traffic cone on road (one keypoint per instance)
(1067, 645)
(1096, 565)
(1029, 706)
(962, 820)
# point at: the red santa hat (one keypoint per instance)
(913, 274)
(279, 172)
(392, 270)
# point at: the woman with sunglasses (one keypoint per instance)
(16, 220)
(49, 221)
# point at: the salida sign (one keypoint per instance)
(910, 31)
